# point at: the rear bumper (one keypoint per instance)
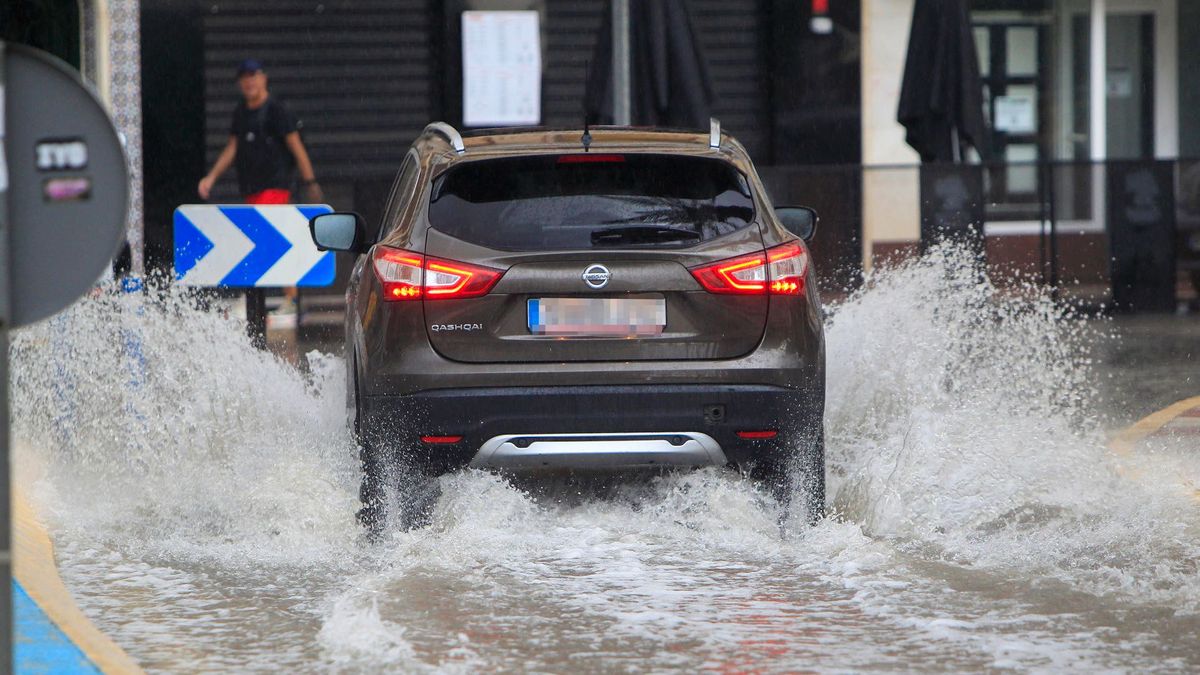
(487, 417)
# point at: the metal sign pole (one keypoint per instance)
(256, 317)
(6, 606)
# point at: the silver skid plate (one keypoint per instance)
(685, 448)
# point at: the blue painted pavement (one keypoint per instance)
(39, 645)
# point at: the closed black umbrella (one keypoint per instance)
(669, 80)
(941, 99)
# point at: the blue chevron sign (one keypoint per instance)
(242, 245)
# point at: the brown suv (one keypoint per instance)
(601, 298)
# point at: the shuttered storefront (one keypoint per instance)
(363, 77)
(360, 75)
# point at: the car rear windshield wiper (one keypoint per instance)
(641, 234)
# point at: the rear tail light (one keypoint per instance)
(778, 271)
(744, 275)
(449, 279)
(411, 276)
(399, 272)
(786, 266)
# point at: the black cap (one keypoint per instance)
(249, 66)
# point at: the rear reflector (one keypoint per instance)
(758, 435)
(440, 440)
(590, 159)
(779, 271)
(411, 276)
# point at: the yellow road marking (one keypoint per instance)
(1124, 442)
(37, 572)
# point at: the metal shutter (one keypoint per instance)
(360, 75)
(732, 32)
(734, 35)
(572, 29)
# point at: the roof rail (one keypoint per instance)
(449, 133)
(714, 132)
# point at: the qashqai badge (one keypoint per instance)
(596, 276)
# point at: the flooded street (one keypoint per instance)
(202, 498)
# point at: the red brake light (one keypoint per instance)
(780, 271)
(590, 159)
(744, 275)
(410, 276)
(450, 279)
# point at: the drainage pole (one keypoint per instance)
(622, 108)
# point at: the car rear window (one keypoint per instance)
(590, 201)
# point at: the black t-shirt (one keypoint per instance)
(263, 160)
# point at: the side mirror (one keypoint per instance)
(340, 231)
(799, 220)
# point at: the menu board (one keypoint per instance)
(502, 69)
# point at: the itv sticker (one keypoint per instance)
(61, 154)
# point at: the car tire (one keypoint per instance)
(799, 473)
(393, 494)
(810, 475)
(392, 490)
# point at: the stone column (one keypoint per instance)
(112, 62)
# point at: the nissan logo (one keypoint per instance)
(596, 276)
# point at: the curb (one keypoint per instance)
(36, 571)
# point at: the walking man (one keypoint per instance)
(264, 141)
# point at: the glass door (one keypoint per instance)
(1129, 85)
(1013, 55)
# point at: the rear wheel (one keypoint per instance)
(392, 491)
(798, 478)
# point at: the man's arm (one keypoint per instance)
(312, 191)
(223, 162)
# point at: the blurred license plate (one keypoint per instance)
(598, 317)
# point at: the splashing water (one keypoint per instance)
(202, 495)
(161, 426)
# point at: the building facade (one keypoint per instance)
(1075, 92)
(1089, 104)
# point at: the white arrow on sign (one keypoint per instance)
(300, 258)
(222, 259)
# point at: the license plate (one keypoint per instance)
(597, 317)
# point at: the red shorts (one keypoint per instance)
(272, 196)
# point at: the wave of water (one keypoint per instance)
(963, 453)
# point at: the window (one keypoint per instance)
(402, 195)
(591, 201)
